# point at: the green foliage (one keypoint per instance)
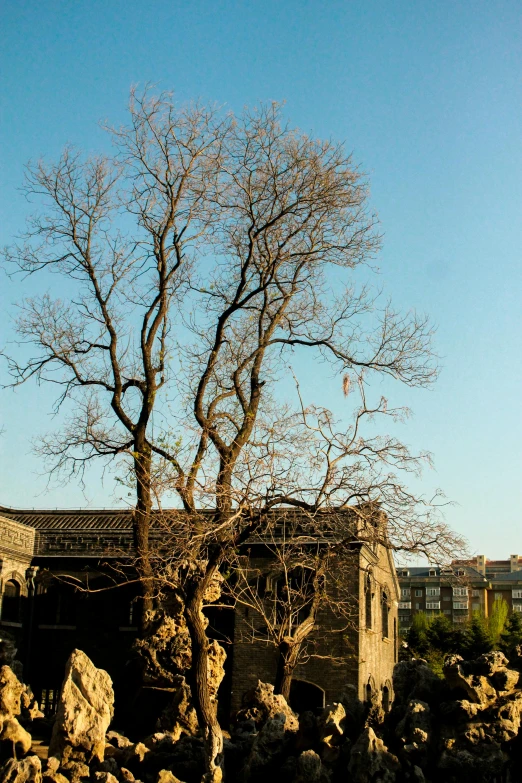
(497, 619)
(440, 634)
(477, 638)
(432, 638)
(416, 637)
(512, 634)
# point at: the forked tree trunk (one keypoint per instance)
(286, 663)
(206, 710)
(142, 519)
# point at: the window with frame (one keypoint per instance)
(405, 592)
(385, 609)
(433, 605)
(460, 591)
(368, 602)
(418, 593)
(516, 593)
(460, 604)
(431, 591)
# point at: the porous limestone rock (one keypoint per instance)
(331, 725)
(179, 716)
(75, 771)
(308, 735)
(505, 680)
(414, 731)
(476, 686)
(165, 652)
(11, 690)
(30, 709)
(370, 760)
(488, 663)
(309, 768)
(269, 748)
(85, 710)
(166, 776)
(414, 680)
(215, 667)
(53, 777)
(478, 760)
(28, 770)
(105, 777)
(7, 649)
(260, 704)
(13, 736)
(118, 740)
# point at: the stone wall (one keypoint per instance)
(377, 651)
(17, 544)
(17, 541)
(348, 654)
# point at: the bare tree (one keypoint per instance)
(121, 233)
(293, 225)
(279, 222)
(286, 578)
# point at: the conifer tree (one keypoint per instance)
(512, 634)
(478, 638)
(441, 635)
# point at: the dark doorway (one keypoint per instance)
(11, 602)
(306, 696)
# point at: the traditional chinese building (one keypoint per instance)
(49, 617)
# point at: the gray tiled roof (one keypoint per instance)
(424, 572)
(77, 519)
(514, 576)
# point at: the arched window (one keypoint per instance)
(369, 692)
(11, 602)
(368, 601)
(386, 698)
(385, 614)
(395, 641)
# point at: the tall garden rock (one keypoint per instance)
(15, 740)
(28, 770)
(260, 704)
(370, 760)
(85, 710)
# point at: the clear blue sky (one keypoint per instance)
(428, 97)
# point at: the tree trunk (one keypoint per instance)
(142, 518)
(205, 709)
(286, 663)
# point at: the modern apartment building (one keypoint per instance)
(455, 592)
(459, 590)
